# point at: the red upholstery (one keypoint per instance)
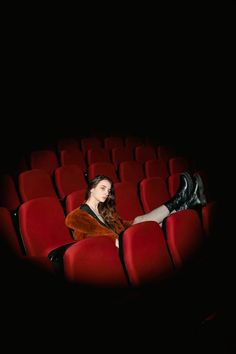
(8, 231)
(112, 142)
(68, 179)
(144, 153)
(98, 154)
(89, 143)
(173, 183)
(128, 204)
(145, 253)
(73, 157)
(153, 193)
(75, 199)
(184, 235)
(102, 168)
(42, 226)
(34, 184)
(156, 168)
(121, 154)
(178, 164)
(8, 194)
(94, 261)
(131, 171)
(44, 160)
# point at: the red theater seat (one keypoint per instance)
(173, 183)
(9, 234)
(89, 143)
(98, 154)
(145, 254)
(75, 199)
(144, 153)
(184, 234)
(131, 171)
(44, 160)
(73, 157)
(156, 168)
(121, 154)
(153, 193)
(94, 261)
(34, 184)
(68, 179)
(42, 226)
(102, 168)
(128, 204)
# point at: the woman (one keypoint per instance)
(98, 215)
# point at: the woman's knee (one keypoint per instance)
(137, 220)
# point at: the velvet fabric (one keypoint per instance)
(85, 225)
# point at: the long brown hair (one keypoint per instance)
(107, 209)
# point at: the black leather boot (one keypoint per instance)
(197, 197)
(184, 193)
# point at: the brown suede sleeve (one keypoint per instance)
(84, 226)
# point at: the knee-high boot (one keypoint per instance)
(197, 198)
(183, 194)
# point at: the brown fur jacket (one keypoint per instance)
(85, 225)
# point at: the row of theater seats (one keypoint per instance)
(62, 180)
(70, 178)
(147, 253)
(168, 162)
(70, 183)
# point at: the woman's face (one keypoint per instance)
(101, 191)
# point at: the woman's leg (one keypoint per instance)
(158, 215)
(189, 195)
(173, 204)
